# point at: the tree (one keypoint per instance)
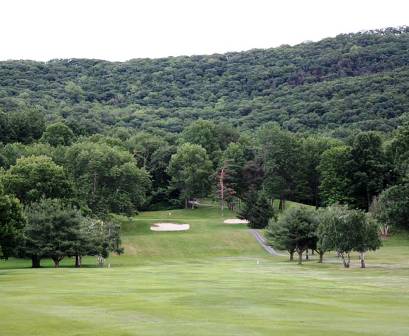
(393, 207)
(143, 145)
(257, 209)
(58, 134)
(107, 178)
(12, 222)
(53, 230)
(190, 170)
(281, 154)
(74, 91)
(335, 175)
(294, 231)
(27, 125)
(312, 148)
(345, 230)
(204, 133)
(103, 237)
(397, 152)
(34, 177)
(6, 130)
(367, 239)
(368, 168)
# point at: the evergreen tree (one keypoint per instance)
(257, 209)
(53, 230)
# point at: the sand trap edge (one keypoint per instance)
(169, 227)
(235, 221)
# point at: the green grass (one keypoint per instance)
(211, 280)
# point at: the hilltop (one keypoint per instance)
(352, 81)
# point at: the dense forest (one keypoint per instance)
(318, 123)
(352, 81)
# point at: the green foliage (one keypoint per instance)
(190, 170)
(107, 178)
(393, 207)
(312, 149)
(58, 134)
(335, 177)
(12, 222)
(397, 153)
(22, 125)
(343, 230)
(243, 173)
(368, 169)
(205, 134)
(295, 231)
(53, 230)
(34, 177)
(257, 209)
(343, 84)
(102, 237)
(282, 157)
(354, 174)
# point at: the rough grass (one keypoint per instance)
(211, 280)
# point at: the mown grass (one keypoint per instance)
(211, 280)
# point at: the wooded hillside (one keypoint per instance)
(350, 81)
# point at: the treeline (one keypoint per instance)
(338, 85)
(59, 190)
(335, 228)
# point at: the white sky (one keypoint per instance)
(123, 29)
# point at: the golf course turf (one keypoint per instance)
(211, 280)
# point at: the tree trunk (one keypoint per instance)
(100, 260)
(306, 255)
(346, 260)
(35, 261)
(281, 204)
(77, 261)
(321, 253)
(299, 257)
(291, 255)
(362, 257)
(57, 261)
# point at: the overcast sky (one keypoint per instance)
(119, 30)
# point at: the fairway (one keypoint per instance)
(211, 280)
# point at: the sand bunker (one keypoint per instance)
(169, 227)
(236, 221)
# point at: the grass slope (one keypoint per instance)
(211, 280)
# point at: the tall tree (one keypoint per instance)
(368, 167)
(107, 178)
(335, 175)
(257, 210)
(281, 153)
(190, 170)
(243, 171)
(34, 177)
(312, 148)
(204, 133)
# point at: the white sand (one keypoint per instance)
(236, 221)
(169, 227)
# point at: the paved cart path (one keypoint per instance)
(263, 243)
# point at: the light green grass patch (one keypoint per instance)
(211, 280)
